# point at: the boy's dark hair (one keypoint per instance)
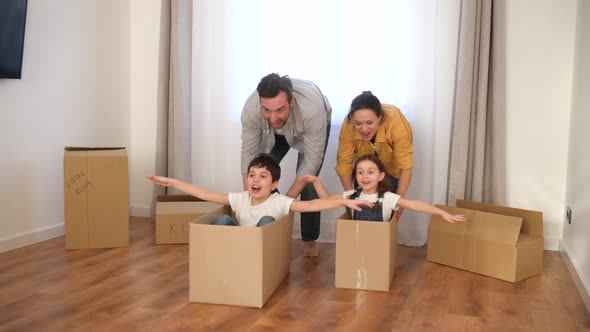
(366, 100)
(384, 185)
(266, 161)
(271, 84)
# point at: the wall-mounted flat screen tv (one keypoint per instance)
(13, 16)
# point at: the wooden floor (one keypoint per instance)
(145, 288)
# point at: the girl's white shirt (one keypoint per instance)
(389, 201)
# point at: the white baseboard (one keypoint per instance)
(43, 234)
(577, 275)
(25, 239)
(140, 211)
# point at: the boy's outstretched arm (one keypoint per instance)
(420, 206)
(327, 204)
(191, 189)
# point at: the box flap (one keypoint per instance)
(529, 257)
(532, 220)
(94, 152)
(186, 207)
(481, 225)
(178, 198)
(84, 148)
(525, 238)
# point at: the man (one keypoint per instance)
(286, 113)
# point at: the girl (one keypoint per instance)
(373, 186)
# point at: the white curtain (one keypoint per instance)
(477, 158)
(173, 150)
(403, 51)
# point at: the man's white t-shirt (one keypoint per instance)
(389, 201)
(275, 206)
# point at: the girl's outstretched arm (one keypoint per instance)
(420, 206)
(327, 204)
(191, 189)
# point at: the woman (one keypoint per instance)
(381, 129)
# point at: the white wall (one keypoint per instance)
(575, 235)
(539, 64)
(74, 91)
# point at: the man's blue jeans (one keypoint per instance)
(310, 221)
(226, 220)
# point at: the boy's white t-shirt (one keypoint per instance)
(275, 206)
(389, 201)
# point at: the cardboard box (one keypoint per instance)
(237, 265)
(174, 212)
(366, 254)
(96, 197)
(497, 241)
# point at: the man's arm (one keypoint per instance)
(314, 148)
(312, 161)
(251, 132)
(314, 145)
(322, 192)
(244, 178)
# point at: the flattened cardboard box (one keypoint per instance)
(96, 197)
(497, 241)
(366, 254)
(237, 265)
(174, 212)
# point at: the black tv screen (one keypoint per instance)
(13, 15)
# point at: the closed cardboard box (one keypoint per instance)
(236, 265)
(497, 241)
(174, 212)
(96, 197)
(366, 253)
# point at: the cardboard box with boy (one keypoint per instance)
(237, 265)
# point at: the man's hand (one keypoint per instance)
(308, 178)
